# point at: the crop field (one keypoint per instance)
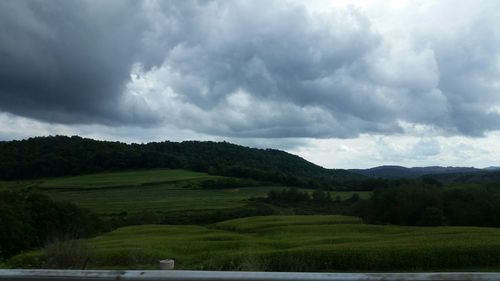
(165, 197)
(292, 243)
(123, 179)
(147, 191)
(162, 198)
(159, 190)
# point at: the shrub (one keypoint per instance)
(70, 254)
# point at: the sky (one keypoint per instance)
(344, 84)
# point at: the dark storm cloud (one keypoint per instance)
(243, 69)
(281, 56)
(67, 61)
(469, 64)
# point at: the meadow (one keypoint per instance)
(159, 198)
(158, 190)
(123, 179)
(290, 243)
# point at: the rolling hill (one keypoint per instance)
(52, 156)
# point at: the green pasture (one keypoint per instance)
(292, 243)
(159, 190)
(166, 197)
(162, 198)
(123, 179)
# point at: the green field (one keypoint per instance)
(271, 243)
(159, 190)
(166, 197)
(293, 243)
(161, 198)
(123, 179)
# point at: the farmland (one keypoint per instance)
(292, 243)
(159, 190)
(123, 179)
(187, 221)
(163, 198)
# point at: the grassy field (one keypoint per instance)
(165, 197)
(271, 243)
(161, 198)
(123, 179)
(293, 243)
(159, 190)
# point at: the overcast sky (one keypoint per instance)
(343, 84)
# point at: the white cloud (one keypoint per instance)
(369, 151)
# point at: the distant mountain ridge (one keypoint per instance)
(492, 168)
(395, 172)
(62, 156)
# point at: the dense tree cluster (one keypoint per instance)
(473, 206)
(301, 202)
(62, 156)
(225, 183)
(30, 220)
(290, 195)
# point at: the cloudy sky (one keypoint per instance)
(343, 84)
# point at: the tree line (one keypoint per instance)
(302, 202)
(433, 206)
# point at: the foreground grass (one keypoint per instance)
(293, 243)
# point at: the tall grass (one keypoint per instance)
(68, 254)
(296, 243)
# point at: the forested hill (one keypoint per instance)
(61, 156)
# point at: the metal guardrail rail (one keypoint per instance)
(180, 275)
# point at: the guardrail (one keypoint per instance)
(180, 275)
